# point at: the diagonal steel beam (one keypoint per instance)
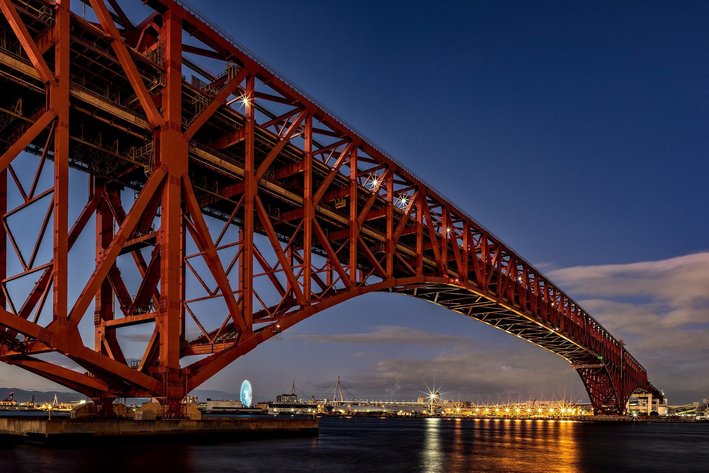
(83, 383)
(126, 61)
(332, 174)
(216, 102)
(26, 139)
(148, 193)
(275, 243)
(275, 151)
(28, 44)
(206, 245)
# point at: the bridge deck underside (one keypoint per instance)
(492, 313)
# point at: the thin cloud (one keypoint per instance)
(660, 309)
(136, 337)
(479, 375)
(676, 286)
(390, 335)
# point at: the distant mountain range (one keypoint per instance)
(40, 396)
(68, 396)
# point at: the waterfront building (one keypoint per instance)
(698, 410)
(644, 403)
(287, 398)
(223, 406)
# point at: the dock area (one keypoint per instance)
(641, 419)
(66, 430)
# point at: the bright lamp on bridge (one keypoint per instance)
(402, 201)
(373, 182)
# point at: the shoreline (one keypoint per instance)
(66, 431)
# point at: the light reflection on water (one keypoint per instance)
(399, 445)
(539, 446)
(432, 456)
(500, 445)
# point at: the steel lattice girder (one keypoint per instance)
(253, 209)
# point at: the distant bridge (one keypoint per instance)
(221, 208)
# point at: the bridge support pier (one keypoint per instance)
(602, 389)
(174, 391)
(104, 407)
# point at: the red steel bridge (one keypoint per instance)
(162, 187)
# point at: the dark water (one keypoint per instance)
(401, 445)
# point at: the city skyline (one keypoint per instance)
(588, 160)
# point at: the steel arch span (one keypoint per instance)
(221, 206)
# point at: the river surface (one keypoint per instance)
(400, 445)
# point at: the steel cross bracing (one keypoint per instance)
(221, 206)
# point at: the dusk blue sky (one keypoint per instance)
(574, 131)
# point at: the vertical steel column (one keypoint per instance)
(328, 273)
(3, 238)
(621, 384)
(104, 235)
(105, 341)
(172, 156)
(309, 213)
(421, 201)
(246, 281)
(354, 228)
(59, 100)
(445, 236)
(390, 227)
(466, 252)
(484, 261)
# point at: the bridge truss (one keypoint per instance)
(159, 174)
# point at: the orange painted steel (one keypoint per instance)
(227, 207)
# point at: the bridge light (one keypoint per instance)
(244, 99)
(402, 201)
(448, 230)
(373, 182)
